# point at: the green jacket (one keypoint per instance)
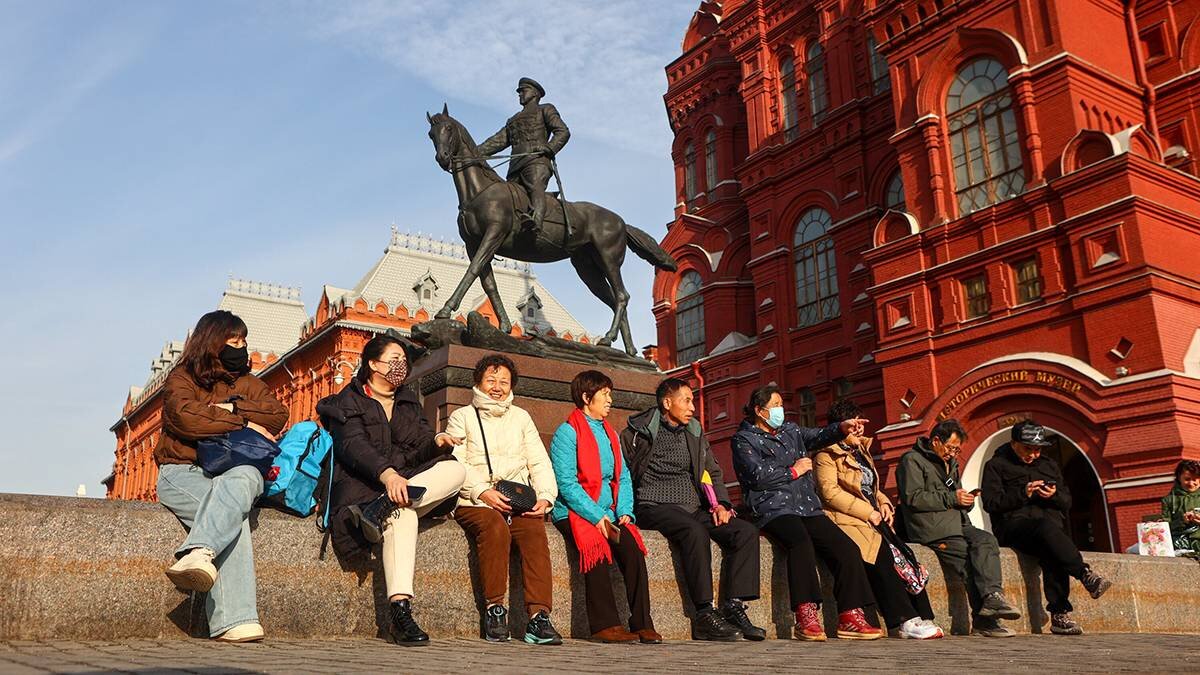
(1174, 505)
(928, 506)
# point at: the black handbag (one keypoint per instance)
(521, 497)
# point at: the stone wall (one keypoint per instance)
(93, 569)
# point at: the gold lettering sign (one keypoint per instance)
(1038, 377)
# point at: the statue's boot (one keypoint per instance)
(531, 221)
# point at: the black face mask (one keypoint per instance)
(235, 359)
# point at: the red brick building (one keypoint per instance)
(984, 210)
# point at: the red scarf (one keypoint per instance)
(593, 546)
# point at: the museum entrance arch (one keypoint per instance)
(1088, 517)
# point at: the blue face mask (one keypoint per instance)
(775, 417)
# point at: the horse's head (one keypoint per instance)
(445, 132)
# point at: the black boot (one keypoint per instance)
(734, 613)
(494, 624)
(709, 625)
(405, 630)
(370, 516)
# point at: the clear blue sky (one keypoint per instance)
(149, 149)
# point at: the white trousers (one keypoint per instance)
(441, 482)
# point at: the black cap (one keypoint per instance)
(1031, 433)
(531, 82)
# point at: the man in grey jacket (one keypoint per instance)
(935, 507)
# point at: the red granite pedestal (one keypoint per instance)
(445, 376)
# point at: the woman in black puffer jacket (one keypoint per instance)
(383, 445)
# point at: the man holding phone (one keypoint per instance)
(1028, 501)
(934, 506)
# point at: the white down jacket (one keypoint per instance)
(516, 449)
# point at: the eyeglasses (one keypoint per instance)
(950, 448)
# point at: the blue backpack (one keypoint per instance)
(304, 450)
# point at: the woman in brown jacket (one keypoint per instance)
(209, 393)
(850, 490)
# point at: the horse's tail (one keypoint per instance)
(647, 249)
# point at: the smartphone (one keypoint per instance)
(613, 532)
(415, 492)
(976, 491)
(1049, 483)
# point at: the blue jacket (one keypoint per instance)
(571, 495)
(763, 463)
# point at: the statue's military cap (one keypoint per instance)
(533, 83)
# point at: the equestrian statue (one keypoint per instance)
(496, 217)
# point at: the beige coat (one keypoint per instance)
(516, 449)
(839, 483)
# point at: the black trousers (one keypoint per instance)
(805, 538)
(1056, 553)
(598, 590)
(691, 531)
(895, 602)
(975, 558)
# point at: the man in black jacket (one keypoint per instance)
(668, 458)
(1028, 501)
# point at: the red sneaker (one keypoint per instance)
(808, 623)
(853, 625)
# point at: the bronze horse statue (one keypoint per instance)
(489, 224)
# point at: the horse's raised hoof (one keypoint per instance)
(443, 314)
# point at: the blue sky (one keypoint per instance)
(150, 149)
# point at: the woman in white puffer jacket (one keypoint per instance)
(516, 454)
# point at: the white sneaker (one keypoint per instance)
(246, 632)
(194, 571)
(919, 629)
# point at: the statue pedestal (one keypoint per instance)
(445, 376)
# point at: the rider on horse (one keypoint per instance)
(536, 134)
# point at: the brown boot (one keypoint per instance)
(614, 634)
(649, 636)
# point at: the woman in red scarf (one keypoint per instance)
(594, 512)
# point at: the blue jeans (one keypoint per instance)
(215, 510)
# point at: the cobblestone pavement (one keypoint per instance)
(1089, 653)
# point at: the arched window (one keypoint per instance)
(880, 80)
(983, 136)
(787, 86)
(710, 160)
(818, 87)
(894, 197)
(689, 320)
(689, 174)
(816, 269)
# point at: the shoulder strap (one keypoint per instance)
(486, 455)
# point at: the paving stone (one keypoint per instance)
(1025, 653)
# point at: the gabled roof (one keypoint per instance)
(409, 258)
(273, 314)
